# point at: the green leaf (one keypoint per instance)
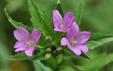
(51, 63)
(70, 54)
(40, 19)
(98, 62)
(40, 67)
(59, 58)
(17, 24)
(97, 40)
(59, 8)
(78, 12)
(66, 66)
(19, 56)
(22, 56)
(40, 55)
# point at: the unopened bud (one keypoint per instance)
(49, 39)
(52, 44)
(48, 56)
(48, 50)
(59, 49)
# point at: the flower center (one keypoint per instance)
(73, 41)
(62, 25)
(30, 43)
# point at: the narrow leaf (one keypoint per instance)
(59, 8)
(97, 40)
(98, 62)
(40, 19)
(20, 56)
(17, 24)
(78, 12)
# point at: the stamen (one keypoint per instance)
(27, 43)
(75, 41)
(62, 26)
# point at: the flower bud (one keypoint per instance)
(52, 44)
(49, 39)
(48, 56)
(59, 49)
(48, 50)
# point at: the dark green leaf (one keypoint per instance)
(97, 40)
(66, 66)
(39, 19)
(98, 62)
(59, 8)
(78, 12)
(17, 24)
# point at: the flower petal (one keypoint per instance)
(64, 41)
(20, 44)
(29, 52)
(20, 49)
(68, 19)
(74, 49)
(35, 35)
(83, 37)
(56, 16)
(22, 34)
(83, 47)
(56, 24)
(73, 32)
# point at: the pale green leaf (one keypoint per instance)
(66, 66)
(40, 67)
(78, 12)
(97, 40)
(98, 62)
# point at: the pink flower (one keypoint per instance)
(75, 40)
(62, 25)
(26, 42)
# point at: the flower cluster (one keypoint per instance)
(74, 41)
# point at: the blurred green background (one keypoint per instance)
(97, 18)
